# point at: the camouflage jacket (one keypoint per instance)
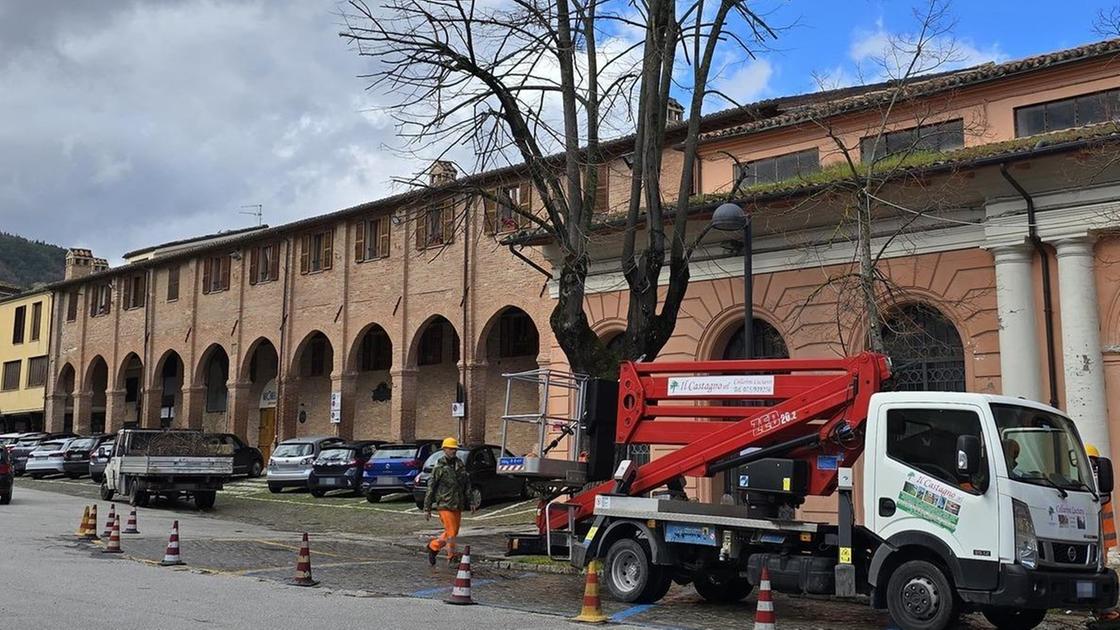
(447, 487)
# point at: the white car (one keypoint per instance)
(47, 459)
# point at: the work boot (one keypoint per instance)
(432, 555)
(453, 559)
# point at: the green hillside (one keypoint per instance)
(25, 263)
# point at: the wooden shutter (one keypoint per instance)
(360, 241)
(108, 298)
(383, 237)
(126, 293)
(142, 293)
(254, 264)
(305, 254)
(490, 212)
(173, 284)
(602, 189)
(328, 249)
(274, 262)
(448, 224)
(206, 274)
(526, 205)
(225, 272)
(422, 229)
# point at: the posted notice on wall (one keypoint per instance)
(336, 407)
(746, 384)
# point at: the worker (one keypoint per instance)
(447, 493)
(1011, 451)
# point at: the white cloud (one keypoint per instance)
(879, 54)
(744, 82)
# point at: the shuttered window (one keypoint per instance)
(72, 305)
(602, 190)
(37, 371)
(316, 252)
(173, 284)
(436, 226)
(215, 274)
(36, 320)
(101, 300)
(134, 291)
(10, 378)
(264, 263)
(19, 324)
(508, 209)
(371, 239)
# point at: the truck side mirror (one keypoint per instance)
(1104, 475)
(968, 454)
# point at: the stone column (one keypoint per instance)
(1081, 341)
(115, 410)
(402, 416)
(1020, 356)
(237, 407)
(476, 385)
(83, 412)
(344, 386)
(194, 403)
(56, 413)
(287, 407)
(150, 401)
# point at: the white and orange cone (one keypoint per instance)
(171, 556)
(303, 565)
(764, 614)
(90, 533)
(81, 531)
(114, 545)
(130, 528)
(592, 611)
(461, 590)
(109, 520)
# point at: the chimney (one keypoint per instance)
(80, 263)
(442, 172)
(674, 111)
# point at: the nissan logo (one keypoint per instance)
(1071, 553)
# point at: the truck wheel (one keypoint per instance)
(139, 498)
(106, 493)
(630, 573)
(373, 497)
(1014, 619)
(274, 488)
(318, 493)
(96, 478)
(204, 499)
(721, 586)
(919, 597)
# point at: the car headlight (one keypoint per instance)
(1026, 543)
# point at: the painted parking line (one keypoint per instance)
(630, 612)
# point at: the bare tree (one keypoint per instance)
(1107, 22)
(539, 84)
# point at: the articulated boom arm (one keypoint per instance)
(687, 404)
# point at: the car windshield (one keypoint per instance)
(336, 455)
(430, 463)
(296, 449)
(82, 444)
(29, 442)
(51, 446)
(395, 452)
(1042, 447)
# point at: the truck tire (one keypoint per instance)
(630, 574)
(1014, 618)
(275, 488)
(721, 586)
(105, 492)
(919, 597)
(204, 499)
(139, 498)
(318, 493)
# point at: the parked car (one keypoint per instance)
(7, 477)
(247, 460)
(47, 458)
(27, 443)
(340, 466)
(393, 468)
(97, 461)
(291, 461)
(9, 438)
(75, 461)
(486, 486)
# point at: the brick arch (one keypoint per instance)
(156, 374)
(122, 368)
(247, 357)
(302, 346)
(67, 371)
(355, 345)
(87, 376)
(411, 358)
(198, 374)
(492, 321)
(720, 328)
(608, 327)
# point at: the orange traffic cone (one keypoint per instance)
(303, 565)
(461, 589)
(764, 614)
(90, 532)
(109, 521)
(81, 531)
(1108, 536)
(130, 528)
(171, 556)
(114, 545)
(592, 611)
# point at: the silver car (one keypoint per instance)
(292, 460)
(48, 458)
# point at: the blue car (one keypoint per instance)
(393, 468)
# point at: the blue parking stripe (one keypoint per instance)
(432, 591)
(630, 612)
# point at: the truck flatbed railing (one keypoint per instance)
(559, 430)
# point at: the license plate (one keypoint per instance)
(386, 481)
(1086, 590)
(335, 481)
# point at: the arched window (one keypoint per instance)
(766, 342)
(925, 350)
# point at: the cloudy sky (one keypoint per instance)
(126, 124)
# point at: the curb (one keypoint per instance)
(557, 568)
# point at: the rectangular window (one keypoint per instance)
(778, 168)
(101, 300)
(264, 263)
(1061, 114)
(173, 284)
(72, 305)
(508, 212)
(602, 190)
(10, 379)
(933, 138)
(371, 239)
(435, 226)
(926, 439)
(134, 292)
(36, 320)
(316, 252)
(215, 274)
(37, 371)
(19, 324)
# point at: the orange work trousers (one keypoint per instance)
(450, 520)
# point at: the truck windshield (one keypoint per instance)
(1042, 447)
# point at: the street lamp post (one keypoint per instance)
(731, 218)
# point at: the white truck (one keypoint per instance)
(168, 463)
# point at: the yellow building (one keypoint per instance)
(24, 343)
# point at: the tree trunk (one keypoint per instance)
(867, 277)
